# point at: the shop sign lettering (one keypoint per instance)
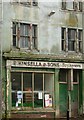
(17, 63)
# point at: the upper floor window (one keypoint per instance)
(26, 2)
(24, 35)
(75, 5)
(71, 39)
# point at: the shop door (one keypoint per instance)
(74, 101)
(68, 82)
(63, 94)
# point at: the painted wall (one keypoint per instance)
(49, 28)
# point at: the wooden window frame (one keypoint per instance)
(33, 91)
(32, 38)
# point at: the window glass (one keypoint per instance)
(80, 6)
(16, 81)
(71, 39)
(63, 75)
(69, 4)
(38, 81)
(23, 42)
(32, 89)
(14, 40)
(23, 36)
(27, 81)
(14, 28)
(75, 75)
(22, 28)
(64, 4)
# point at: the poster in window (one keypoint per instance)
(40, 95)
(19, 94)
(46, 100)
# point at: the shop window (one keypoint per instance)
(33, 90)
(22, 37)
(71, 39)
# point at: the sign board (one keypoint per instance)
(41, 64)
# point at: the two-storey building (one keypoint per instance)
(42, 62)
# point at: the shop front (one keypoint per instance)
(41, 89)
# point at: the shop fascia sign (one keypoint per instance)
(41, 64)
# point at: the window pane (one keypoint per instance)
(71, 39)
(75, 74)
(26, 30)
(69, 4)
(14, 28)
(71, 34)
(27, 100)
(75, 5)
(80, 46)
(63, 75)
(71, 45)
(14, 99)
(80, 34)
(22, 30)
(63, 4)
(34, 30)
(38, 81)
(16, 81)
(21, 42)
(14, 40)
(26, 42)
(80, 6)
(38, 101)
(27, 81)
(48, 89)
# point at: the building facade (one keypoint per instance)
(42, 58)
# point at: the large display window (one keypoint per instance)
(32, 89)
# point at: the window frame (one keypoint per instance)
(67, 74)
(33, 92)
(30, 36)
(76, 5)
(77, 43)
(72, 39)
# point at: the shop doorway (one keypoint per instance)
(69, 87)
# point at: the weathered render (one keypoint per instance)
(52, 63)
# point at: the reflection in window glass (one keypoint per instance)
(63, 75)
(38, 81)
(16, 81)
(27, 81)
(32, 90)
